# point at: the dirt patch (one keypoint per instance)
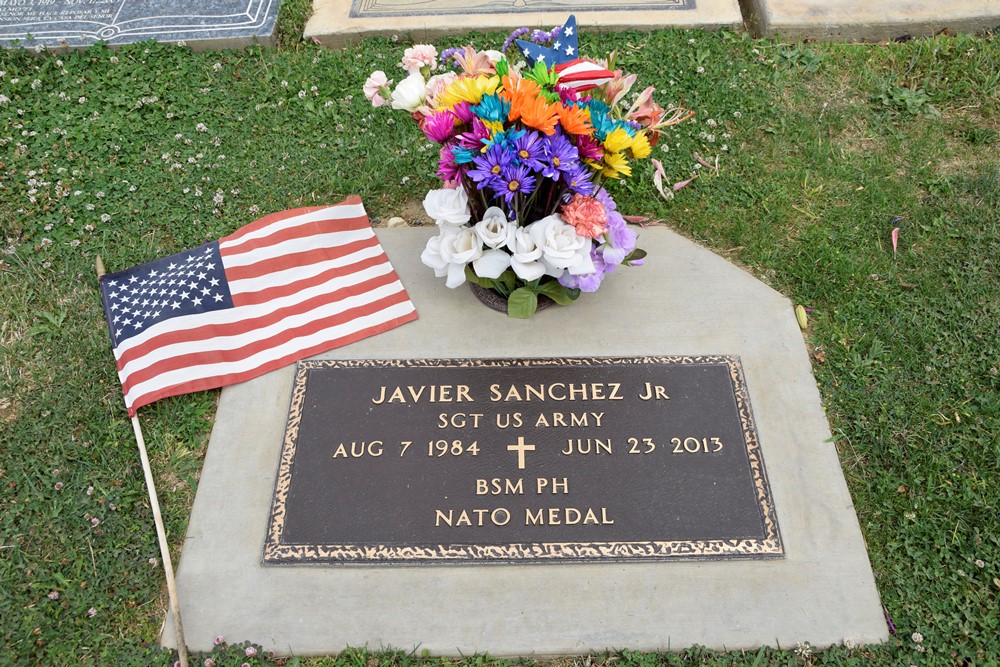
(410, 210)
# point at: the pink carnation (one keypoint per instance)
(377, 88)
(419, 56)
(587, 215)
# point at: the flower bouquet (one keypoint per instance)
(528, 146)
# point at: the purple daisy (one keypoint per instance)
(561, 156)
(490, 165)
(529, 150)
(578, 180)
(514, 179)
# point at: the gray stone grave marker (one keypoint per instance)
(339, 22)
(685, 302)
(55, 24)
(863, 20)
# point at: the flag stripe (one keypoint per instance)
(242, 347)
(293, 246)
(200, 379)
(212, 329)
(583, 74)
(300, 261)
(281, 276)
(264, 292)
(301, 282)
(227, 339)
(352, 216)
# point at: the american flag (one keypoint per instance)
(287, 286)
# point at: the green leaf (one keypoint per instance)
(636, 254)
(471, 276)
(561, 295)
(522, 303)
(509, 280)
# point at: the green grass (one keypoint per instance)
(145, 150)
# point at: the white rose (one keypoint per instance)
(448, 206)
(562, 248)
(491, 264)
(494, 229)
(450, 251)
(409, 93)
(525, 256)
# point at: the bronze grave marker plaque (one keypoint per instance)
(520, 460)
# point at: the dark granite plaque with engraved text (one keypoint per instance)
(79, 23)
(521, 460)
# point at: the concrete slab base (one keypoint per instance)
(866, 21)
(337, 23)
(685, 301)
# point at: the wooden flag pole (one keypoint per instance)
(161, 533)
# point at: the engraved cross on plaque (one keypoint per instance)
(520, 448)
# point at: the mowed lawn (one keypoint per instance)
(807, 158)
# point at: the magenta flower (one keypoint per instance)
(439, 127)
(448, 169)
(588, 148)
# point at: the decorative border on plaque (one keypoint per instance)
(276, 553)
(377, 8)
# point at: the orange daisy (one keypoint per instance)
(575, 120)
(516, 90)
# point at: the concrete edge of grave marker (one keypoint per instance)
(685, 301)
(860, 21)
(332, 25)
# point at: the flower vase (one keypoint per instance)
(498, 302)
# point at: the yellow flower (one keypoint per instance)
(617, 141)
(616, 166)
(493, 126)
(640, 146)
(469, 89)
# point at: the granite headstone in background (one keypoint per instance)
(204, 24)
